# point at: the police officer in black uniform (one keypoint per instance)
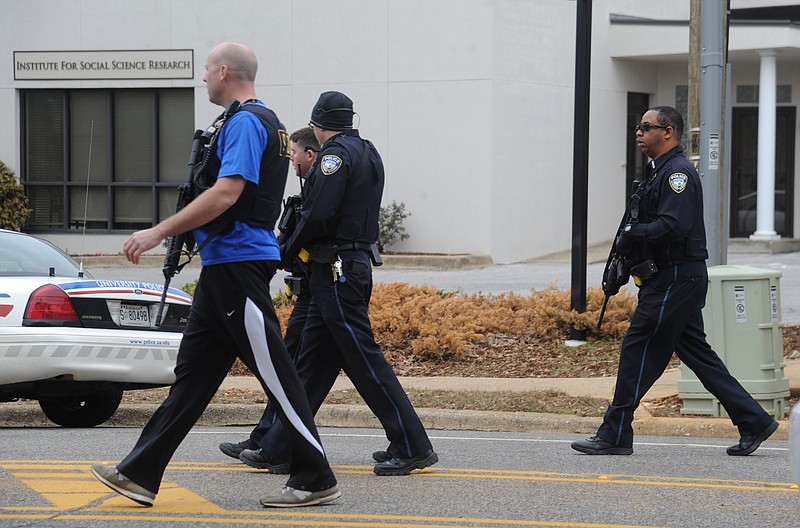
(666, 247)
(338, 227)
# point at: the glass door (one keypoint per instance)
(744, 171)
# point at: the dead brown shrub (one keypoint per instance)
(434, 325)
(420, 324)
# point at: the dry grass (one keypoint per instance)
(427, 332)
(553, 402)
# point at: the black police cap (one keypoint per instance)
(333, 111)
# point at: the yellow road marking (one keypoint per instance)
(305, 522)
(72, 486)
(65, 487)
(171, 499)
(69, 485)
(503, 474)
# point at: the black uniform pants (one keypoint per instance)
(338, 335)
(232, 315)
(668, 318)
(291, 339)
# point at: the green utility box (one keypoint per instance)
(742, 321)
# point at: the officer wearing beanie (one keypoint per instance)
(338, 227)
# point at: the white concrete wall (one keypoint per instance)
(439, 123)
(470, 102)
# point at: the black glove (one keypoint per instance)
(624, 240)
(616, 276)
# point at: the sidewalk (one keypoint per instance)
(667, 385)
(136, 415)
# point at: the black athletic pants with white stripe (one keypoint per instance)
(294, 329)
(232, 315)
(669, 318)
(338, 335)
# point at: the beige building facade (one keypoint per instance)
(470, 103)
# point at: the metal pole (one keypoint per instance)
(712, 72)
(692, 139)
(580, 160)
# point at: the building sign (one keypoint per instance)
(120, 64)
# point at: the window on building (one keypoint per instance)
(111, 159)
(748, 93)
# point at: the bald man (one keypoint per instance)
(232, 314)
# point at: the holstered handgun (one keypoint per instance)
(643, 271)
(295, 286)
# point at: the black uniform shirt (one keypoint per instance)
(342, 195)
(671, 212)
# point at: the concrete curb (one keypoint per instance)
(437, 262)
(359, 416)
(390, 261)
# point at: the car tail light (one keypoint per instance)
(50, 303)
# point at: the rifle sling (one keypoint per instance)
(214, 232)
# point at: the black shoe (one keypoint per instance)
(749, 443)
(598, 446)
(233, 450)
(382, 456)
(256, 458)
(403, 466)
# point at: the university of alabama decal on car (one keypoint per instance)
(678, 181)
(89, 288)
(330, 164)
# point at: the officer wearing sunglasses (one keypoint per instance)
(669, 235)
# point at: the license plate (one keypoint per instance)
(134, 315)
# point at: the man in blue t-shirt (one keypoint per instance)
(232, 314)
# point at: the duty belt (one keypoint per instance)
(354, 245)
(327, 252)
(372, 249)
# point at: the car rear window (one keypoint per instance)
(22, 255)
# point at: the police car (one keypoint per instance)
(75, 343)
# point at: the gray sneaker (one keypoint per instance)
(289, 497)
(111, 477)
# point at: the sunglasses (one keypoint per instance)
(644, 127)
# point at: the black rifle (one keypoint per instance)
(615, 274)
(290, 217)
(202, 147)
(618, 272)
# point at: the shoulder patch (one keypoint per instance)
(677, 182)
(330, 164)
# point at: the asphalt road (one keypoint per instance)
(482, 479)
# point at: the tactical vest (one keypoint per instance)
(260, 208)
(357, 217)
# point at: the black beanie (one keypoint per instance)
(333, 111)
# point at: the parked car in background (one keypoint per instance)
(75, 343)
